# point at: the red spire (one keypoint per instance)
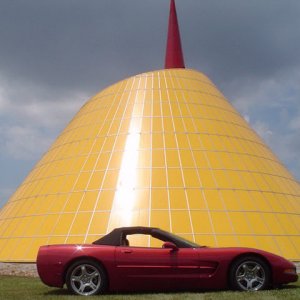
(174, 55)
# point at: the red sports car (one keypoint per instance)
(111, 264)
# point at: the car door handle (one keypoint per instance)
(127, 251)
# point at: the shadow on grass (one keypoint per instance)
(58, 292)
(287, 287)
(65, 292)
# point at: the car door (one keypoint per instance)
(191, 269)
(145, 268)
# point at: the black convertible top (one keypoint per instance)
(118, 236)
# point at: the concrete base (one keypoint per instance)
(18, 269)
(29, 269)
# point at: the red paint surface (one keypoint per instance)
(174, 54)
(155, 269)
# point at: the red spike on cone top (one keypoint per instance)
(174, 55)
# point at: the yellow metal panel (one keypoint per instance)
(47, 226)
(164, 149)
(7, 249)
(191, 178)
(159, 199)
(201, 159)
(272, 222)
(169, 124)
(63, 225)
(202, 222)
(74, 239)
(214, 200)
(9, 225)
(56, 240)
(240, 223)
(144, 159)
(262, 202)
(257, 223)
(227, 240)
(288, 248)
(158, 159)
(98, 223)
(67, 183)
(21, 225)
(286, 224)
(90, 163)
(145, 140)
(175, 177)
(206, 240)
(177, 199)
(170, 141)
(79, 224)
(22, 248)
(172, 158)
(143, 178)
(181, 221)
(206, 142)
(57, 203)
(250, 241)
(81, 182)
(105, 200)
(222, 179)
(73, 202)
(196, 199)
(222, 223)
(36, 242)
(235, 179)
(110, 179)
(206, 178)
(246, 200)
(182, 141)
(161, 219)
(187, 160)
(142, 197)
(88, 201)
(103, 161)
(159, 178)
(96, 180)
(249, 180)
(195, 144)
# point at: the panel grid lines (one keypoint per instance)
(181, 166)
(55, 225)
(196, 168)
(203, 194)
(94, 169)
(165, 158)
(113, 219)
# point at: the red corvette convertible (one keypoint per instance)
(111, 264)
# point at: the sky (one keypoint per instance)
(56, 54)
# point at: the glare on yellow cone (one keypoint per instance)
(162, 149)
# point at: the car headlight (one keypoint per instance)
(290, 271)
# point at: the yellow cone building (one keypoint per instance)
(164, 149)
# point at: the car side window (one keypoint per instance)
(142, 240)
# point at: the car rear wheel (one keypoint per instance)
(86, 277)
(249, 274)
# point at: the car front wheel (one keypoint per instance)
(249, 274)
(86, 278)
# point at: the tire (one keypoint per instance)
(249, 273)
(86, 278)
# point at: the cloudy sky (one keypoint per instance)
(56, 54)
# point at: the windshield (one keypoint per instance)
(178, 240)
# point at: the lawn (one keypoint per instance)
(12, 287)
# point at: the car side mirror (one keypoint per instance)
(171, 246)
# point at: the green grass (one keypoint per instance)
(12, 287)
